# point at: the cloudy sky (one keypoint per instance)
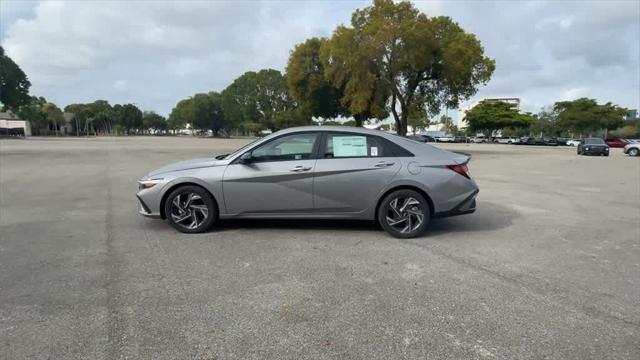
(154, 53)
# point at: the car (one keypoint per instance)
(532, 141)
(507, 140)
(422, 138)
(593, 146)
(445, 139)
(550, 141)
(315, 173)
(632, 149)
(616, 143)
(460, 139)
(573, 142)
(478, 139)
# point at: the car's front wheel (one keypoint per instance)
(404, 214)
(633, 152)
(190, 209)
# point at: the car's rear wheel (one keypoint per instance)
(404, 213)
(633, 152)
(190, 209)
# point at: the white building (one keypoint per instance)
(11, 125)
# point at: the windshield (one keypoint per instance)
(594, 142)
(228, 156)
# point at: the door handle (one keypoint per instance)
(383, 164)
(301, 168)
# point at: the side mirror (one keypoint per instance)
(246, 158)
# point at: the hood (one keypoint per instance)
(184, 165)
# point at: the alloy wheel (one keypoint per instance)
(189, 210)
(404, 214)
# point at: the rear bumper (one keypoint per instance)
(466, 206)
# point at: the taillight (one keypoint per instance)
(460, 169)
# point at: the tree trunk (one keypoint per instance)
(397, 118)
(401, 125)
(359, 118)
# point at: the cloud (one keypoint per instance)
(155, 53)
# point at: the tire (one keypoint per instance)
(392, 208)
(579, 152)
(197, 209)
(633, 152)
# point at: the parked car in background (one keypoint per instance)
(422, 138)
(445, 139)
(573, 142)
(632, 149)
(478, 139)
(460, 139)
(593, 146)
(506, 140)
(562, 141)
(550, 141)
(531, 141)
(315, 172)
(616, 142)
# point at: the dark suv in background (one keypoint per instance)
(593, 146)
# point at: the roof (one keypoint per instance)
(332, 128)
(8, 115)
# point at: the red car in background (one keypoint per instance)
(616, 143)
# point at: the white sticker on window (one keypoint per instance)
(349, 146)
(374, 151)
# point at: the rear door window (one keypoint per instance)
(353, 146)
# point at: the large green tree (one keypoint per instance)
(253, 100)
(494, 115)
(14, 85)
(33, 112)
(201, 111)
(54, 116)
(307, 84)
(207, 112)
(153, 121)
(587, 116)
(394, 58)
(447, 124)
(545, 123)
(127, 116)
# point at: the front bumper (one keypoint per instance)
(596, 151)
(144, 210)
(466, 206)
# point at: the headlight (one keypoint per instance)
(148, 184)
(587, 148)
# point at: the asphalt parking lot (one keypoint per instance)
(548, 267)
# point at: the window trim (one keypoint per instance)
(313, 155)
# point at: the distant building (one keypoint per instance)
(11, 125)
(514, 102)
(632, 115)
(67, 128)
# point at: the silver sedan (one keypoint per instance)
(315, 173)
